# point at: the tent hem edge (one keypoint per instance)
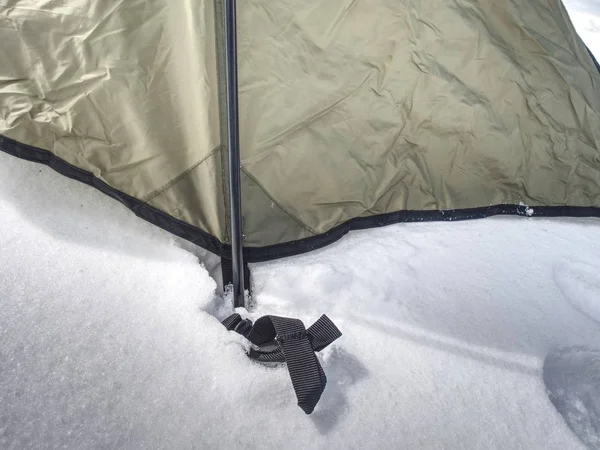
(286, 249)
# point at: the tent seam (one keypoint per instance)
(289, 214)
(157, 192)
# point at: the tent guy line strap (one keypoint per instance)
(233, 146)
(284, 340)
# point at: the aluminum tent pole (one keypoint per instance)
(233, 145)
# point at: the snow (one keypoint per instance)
(579, 282)
(572, 377)
(109, 337)
(585, 15)
(528, 211)
(479, 334)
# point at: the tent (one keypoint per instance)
(276, 129)
(352, 113)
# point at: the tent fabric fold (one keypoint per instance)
(353, 113)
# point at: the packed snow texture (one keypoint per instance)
(572, 377)
(111, 339)
(109, 336)
(579, 281)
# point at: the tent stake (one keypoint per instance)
(233, 145)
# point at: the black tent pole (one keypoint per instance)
(233, 145)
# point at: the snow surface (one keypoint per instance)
(580, 283)
(109, 339)
(572, 377)
(585, 15)
(456, 335)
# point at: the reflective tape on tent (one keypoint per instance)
(340, 115)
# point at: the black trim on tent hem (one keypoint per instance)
(287, 249)
(139, 208)
(361, 223)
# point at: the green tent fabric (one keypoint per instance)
(353, 113)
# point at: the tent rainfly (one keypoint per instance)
(352, 113)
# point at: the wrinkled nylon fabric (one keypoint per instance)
(126, 90)
(360, 108)
(348, 108)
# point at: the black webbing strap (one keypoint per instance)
(281, 339)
